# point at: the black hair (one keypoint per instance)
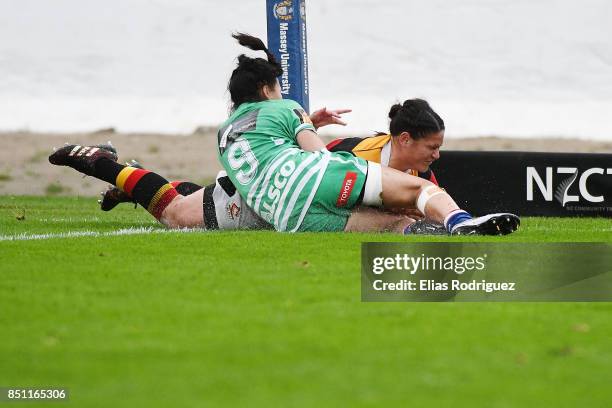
(416, 117)
(252, 74)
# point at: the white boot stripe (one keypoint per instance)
(74, 150)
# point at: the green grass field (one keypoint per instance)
(267, 319)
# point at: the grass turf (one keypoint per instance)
(261, 318)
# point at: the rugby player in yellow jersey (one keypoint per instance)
(404, 152)
(411, 146)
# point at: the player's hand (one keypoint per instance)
(324, 117)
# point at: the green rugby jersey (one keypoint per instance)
(259, 151)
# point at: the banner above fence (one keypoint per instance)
(531, 184)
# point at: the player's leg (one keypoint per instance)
(185, 211)
(218, 205)
(367, 219)
(400, 190)
(393, 189)
(149, 189)
(113, 196)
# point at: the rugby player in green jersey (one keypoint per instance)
(281, 169)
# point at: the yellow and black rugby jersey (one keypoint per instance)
(376, 149)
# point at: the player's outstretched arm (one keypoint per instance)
(324, 117)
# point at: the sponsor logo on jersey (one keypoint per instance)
(304, 118)
(283, 10)
(347, 188)
(275, 189)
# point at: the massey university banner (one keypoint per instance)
(287, 41)
(528, 184)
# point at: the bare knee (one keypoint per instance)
(171, 216)
(401, 190)
(182, 212)
(419, 186)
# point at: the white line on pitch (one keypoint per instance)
(77, 234)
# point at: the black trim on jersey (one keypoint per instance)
(426, 175)
(208, 204)
(347, 145)
(362, 192)
(360, 198)
(227, 185)
(302, 115)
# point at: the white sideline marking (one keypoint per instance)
(77, 234)
(585, 230)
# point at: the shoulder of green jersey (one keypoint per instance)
(290, 103)
(304, 126)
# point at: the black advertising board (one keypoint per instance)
(528, 183)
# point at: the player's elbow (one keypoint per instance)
(309, 141)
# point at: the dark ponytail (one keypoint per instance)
(416, 117)
(255, 44)
(252, 74)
